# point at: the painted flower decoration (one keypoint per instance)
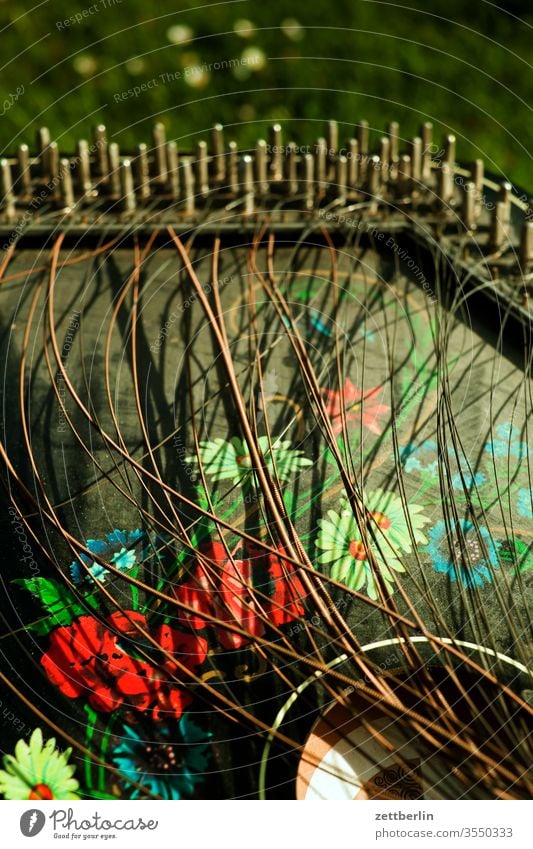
(445, 546)
(359, 406)
(525, 502)
(507, 442)
(224, 460)
(348, 556)
(225, 590)
(88, 659)
(123, 549)
(169, 768)
(38, 771)
(420, 458)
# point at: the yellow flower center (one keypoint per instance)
(381, 520)
(357, 550)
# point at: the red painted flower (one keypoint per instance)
(359, 406)
(85, 659)
(224, 590)
(286, 602)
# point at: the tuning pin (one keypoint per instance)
(373, 177)
(142, 169)
(8, 198)
(426, 132)
(201, 169)
(469, 210)
(333, 137)
(353, 163)
(247, 166)
(84, 166)
(66, 187)
(526, 244)
(341, 178)
(217, 153)
(362, 134)
(102, 152)
(332, 140)
(232, 168)
(308, 182)
(505, 194)
(53, 168)
(393, 132)
(498, 229)
(321, 165)
(43, 143)
(384, 157)
(478, 175)
(276, 153)
(173, 173)
(24, 169)
(291, 180)
(415, 151)
(404, 178)
(114, 169)
(160, 153)
(126, 185)
(449, 151)
(188, 186)
(445, 184)
(261, 167)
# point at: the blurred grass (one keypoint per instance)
(348, 60)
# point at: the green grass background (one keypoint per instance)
(464, 65)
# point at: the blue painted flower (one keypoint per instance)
(507, 442)
(414, 457)
(124, 549)
(470, 480)
(445, 548)
(169, 768)
(525, 502)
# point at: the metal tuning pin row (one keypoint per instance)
(386, 173)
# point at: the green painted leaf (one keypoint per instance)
(60, 604)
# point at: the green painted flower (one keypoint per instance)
(38, 771)
(224, 460)
(342, 546)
